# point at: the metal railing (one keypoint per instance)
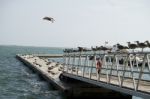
(130, 70)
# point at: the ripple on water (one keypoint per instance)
(18, 81)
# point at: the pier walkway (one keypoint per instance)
(127, 73)
(49, 55)
(51, 71)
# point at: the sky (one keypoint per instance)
(77, 22)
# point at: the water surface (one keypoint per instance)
(18, 81)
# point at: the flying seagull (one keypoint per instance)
(49, 19)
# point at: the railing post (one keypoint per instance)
(68, 62)
(141, 72)
(65, 61)
(85, 64)
(124, 69)
(73, 65)
(148, 62)
(132, 74)
(106, 65)
(137, 63)
(79, 62)
(106, 70)
(134, 84)
(93, 61)
(117, 63)
(88, 66)
(81, 66)
(113, 62)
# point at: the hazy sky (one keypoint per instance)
(77, 22)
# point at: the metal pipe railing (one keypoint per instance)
(111, 66)
(141, 72)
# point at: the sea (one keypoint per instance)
(17, 81)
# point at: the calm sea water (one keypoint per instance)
(17, 81)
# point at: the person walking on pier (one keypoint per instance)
(98, 65)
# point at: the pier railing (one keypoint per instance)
(130, 70)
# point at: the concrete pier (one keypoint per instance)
(49, 55)
(52, 72)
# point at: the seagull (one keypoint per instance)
(141, 45)
(121, 47)
(93, 49)
(105, 48)
(80, 49)
(132, 46)
(49, 19)
(148, 44)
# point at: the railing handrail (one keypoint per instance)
(114, 58)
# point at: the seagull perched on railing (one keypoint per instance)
(105, 48)
(141, 45)
(80, 49)
(132, 46)
(49, 19)
(121, 46)
(68, 50)
(147, 42)
(94, 49)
